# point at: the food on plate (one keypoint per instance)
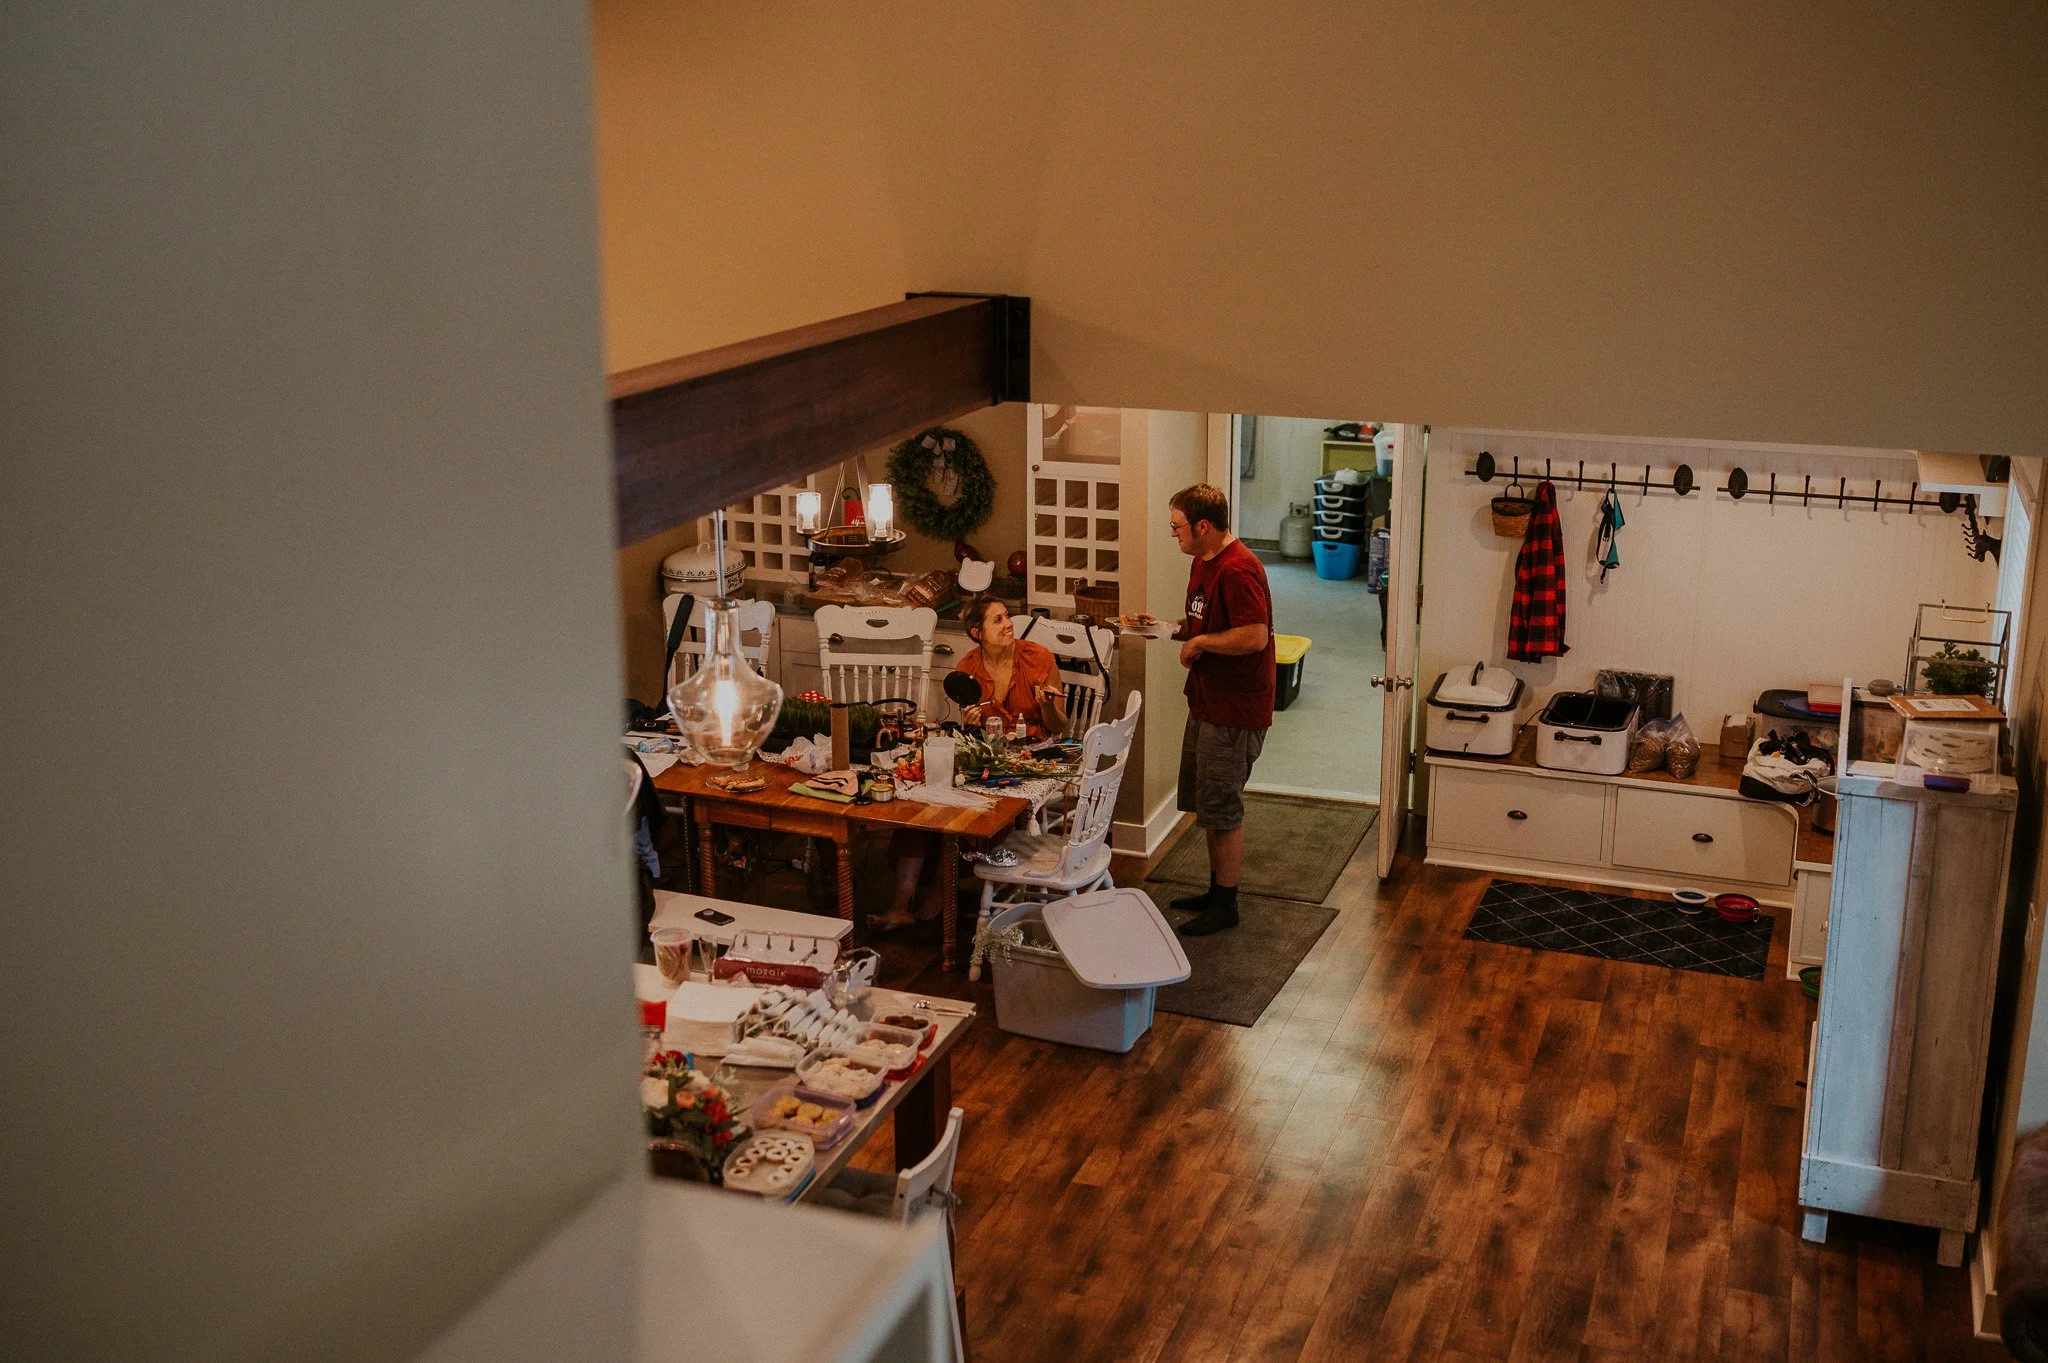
(787, 1106)
(771, 1165)
(772, 1052)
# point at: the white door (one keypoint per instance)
(1404, 611)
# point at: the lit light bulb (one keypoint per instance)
(810, 513)
(725, 703)
(881, 511)
(725, 708)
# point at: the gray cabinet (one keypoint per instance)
(1896, 1078)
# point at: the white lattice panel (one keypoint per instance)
(763, 529)
(1074, 535)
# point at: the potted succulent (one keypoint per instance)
(690, 1122)
(1958, 672)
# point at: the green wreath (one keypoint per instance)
(953, 457)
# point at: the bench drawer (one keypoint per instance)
(1701, 838)
(1516, 815)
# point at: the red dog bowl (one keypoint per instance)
(1735, 908)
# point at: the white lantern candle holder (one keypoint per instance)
(881, 511)
(810, 513)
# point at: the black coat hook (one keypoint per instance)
(1681, 481)
(1738, 484)
(1484, 467)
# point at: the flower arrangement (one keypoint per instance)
(1959, 672)
(683, 1106)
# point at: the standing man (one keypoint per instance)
(1227, 648)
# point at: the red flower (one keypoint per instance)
(716, 1110)
(722, 1138)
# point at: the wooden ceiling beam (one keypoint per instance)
(702, 431)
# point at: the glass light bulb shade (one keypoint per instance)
(810, 512)
(725, 708)
(881, 510)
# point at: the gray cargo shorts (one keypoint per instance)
(1215, 762)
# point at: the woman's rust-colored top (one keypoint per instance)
(1032, 667)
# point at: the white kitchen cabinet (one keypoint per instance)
(1677, 832)
(1898, 1065)
(1516, 815)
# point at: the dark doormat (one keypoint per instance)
(1237, 973)
(1294, 848)
(1619, 927)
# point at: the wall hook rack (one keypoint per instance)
(1738, 486)
(1486, 468)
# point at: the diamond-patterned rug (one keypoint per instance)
(1619, 928)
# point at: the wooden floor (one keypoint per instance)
(1426, 1148)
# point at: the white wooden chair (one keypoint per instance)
(757, 625)
(870, 653)
(923, 1190)
(1086, 656)
(1056, 865)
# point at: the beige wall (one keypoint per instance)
(643, 633)
(1163, 452)
(1815, 223)
(314, 864)
(1290, 459)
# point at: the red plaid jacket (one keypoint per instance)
(1536, 620)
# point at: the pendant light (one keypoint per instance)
(725, 709)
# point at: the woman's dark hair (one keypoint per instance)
(976, 612)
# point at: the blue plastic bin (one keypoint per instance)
(1336, 562)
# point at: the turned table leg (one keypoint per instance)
(842, 857)
(707, 857)
(949, 900)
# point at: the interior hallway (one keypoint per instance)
(1426, 1148)
(1329, 739)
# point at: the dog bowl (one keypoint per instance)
(1691, 902)
(1809, 981)
(1735, 908)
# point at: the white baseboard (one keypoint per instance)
(1142, 840)
(1339, 797)
(1984, 1311)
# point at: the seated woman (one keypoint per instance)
(1019, 680)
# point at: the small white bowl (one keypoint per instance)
(1691, 902)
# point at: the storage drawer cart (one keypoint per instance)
(1896, 1075)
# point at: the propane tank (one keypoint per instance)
(1297, 532)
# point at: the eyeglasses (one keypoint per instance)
(1178, 527)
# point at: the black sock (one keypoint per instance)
(1195, 903)
(1223, 896)
(1218, 915)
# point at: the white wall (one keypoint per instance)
(1729, 597)
(1290, 460)
(311, 840)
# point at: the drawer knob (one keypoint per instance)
(1516, 814)
(1703, 837)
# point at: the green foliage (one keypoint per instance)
(1958, 672)
(809, 718)
(911, 466)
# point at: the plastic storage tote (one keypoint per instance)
(1290, 651)
(1336, 562)
(1088, 969)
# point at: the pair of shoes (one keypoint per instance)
(1215, 918)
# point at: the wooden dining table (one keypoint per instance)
(779, 809)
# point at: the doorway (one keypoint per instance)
(1301, 482)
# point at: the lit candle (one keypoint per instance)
(810, 513)
(881, 511)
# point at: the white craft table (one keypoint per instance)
(672, 910)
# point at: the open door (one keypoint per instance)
(1404, 615)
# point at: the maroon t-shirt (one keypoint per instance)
(1224, 592)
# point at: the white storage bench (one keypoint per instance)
(1644, 832)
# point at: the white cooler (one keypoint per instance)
(1472, 710)
(1088, 970)
(1581, 731)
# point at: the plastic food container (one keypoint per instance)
(922, 1023)
(843, 1078)
(1691, 902)
(894, 1048)
(827, 1121)
(1735, 908)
